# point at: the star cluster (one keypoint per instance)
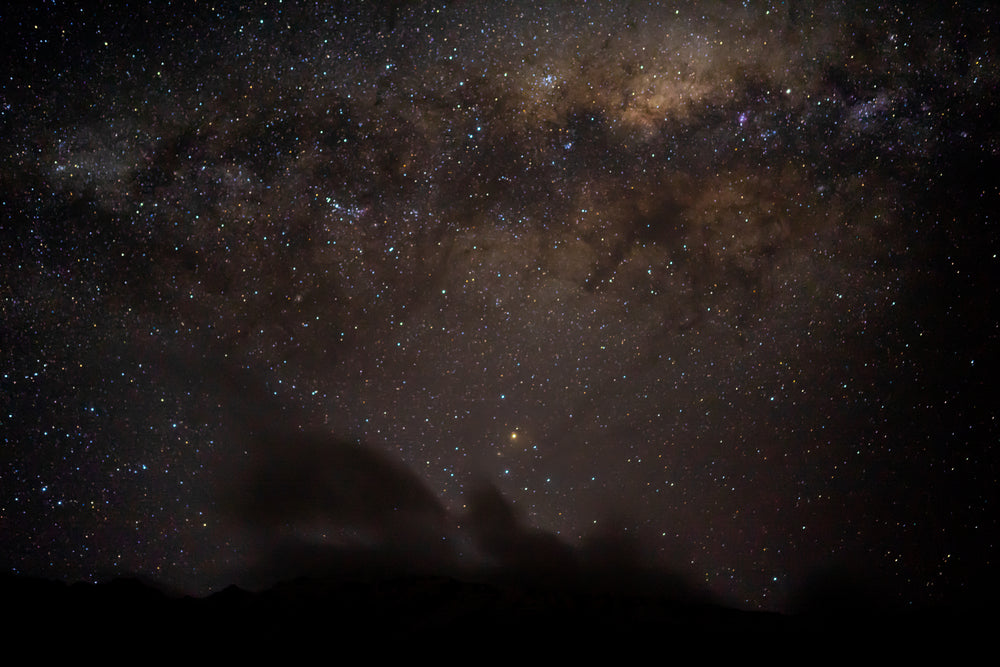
(710, 279)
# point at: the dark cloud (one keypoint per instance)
(305, 478)
(508, 542)
(315, 503)
(319, 506)
(315, 499)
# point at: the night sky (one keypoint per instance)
(706, 288)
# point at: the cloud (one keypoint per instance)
(301, 478)
(506, 540)
(320, 506)
(313, 504)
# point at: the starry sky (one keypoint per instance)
(700, 287)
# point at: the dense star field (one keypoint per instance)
(706, 288)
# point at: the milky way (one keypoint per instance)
(711, 282)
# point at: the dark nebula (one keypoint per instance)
(703, 289)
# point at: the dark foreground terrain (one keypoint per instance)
(438, 613)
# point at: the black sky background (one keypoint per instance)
(698, 289)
